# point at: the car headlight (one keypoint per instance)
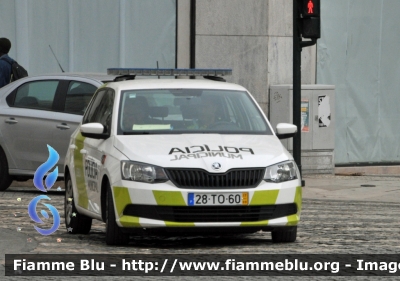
(281, 172)
(134, 171)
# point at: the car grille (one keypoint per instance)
(211, 213)
(196, 178)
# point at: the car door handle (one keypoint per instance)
(83, 151)
(63, 126)
(11, 121)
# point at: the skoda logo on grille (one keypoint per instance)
(216, 166)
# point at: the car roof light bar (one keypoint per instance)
(169, 72)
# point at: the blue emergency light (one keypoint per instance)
(169, 72)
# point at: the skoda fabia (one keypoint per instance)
(180, 155)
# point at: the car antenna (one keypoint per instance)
(158, 68)
(56, 59)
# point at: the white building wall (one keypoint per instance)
(89, 36)
(358, 52)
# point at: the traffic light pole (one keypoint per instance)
(298, 44)
(297, 86)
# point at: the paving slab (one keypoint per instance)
(359, 188)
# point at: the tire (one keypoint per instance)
(79, 223)
(284, 235)
(5, 178)
(114, 235)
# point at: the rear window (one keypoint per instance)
(78, 97)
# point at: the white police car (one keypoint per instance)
(179, 155)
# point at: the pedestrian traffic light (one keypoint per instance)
(310, 19)
(310, 8)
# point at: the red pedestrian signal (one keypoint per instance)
(310, 22)
(310, 8)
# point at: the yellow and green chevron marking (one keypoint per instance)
(83, 200)
(175, 198)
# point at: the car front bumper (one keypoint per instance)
(163, 205)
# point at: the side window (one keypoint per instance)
(101, 109)
(78, 97)
(36, 95)
(88, 117)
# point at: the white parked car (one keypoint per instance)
(180, 155)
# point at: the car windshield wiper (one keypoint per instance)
(137, 133)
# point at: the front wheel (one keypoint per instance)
(114, 235)
(283, 235)
(74, 222)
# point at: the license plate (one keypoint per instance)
(204, 199)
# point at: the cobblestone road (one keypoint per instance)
(327, 227)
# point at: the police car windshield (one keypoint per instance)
(177, 111)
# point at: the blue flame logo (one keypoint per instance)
(49, 182)
(33, 214)
(44, 168)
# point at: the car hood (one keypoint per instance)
(202, 150)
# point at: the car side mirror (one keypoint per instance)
(94, 131)
(285, 130)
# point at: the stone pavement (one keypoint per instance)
(360, 188)
(341, 214)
